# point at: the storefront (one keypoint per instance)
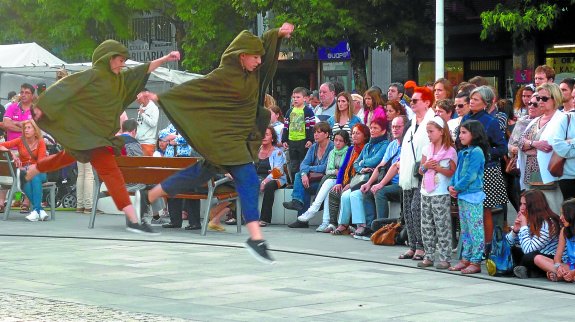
(562, 58)
(335, 65)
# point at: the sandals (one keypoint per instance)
(263, 223)
(418, 257)
(24, 209)
(341, 230)
(215, 227)
(407, 255)
(473, 268)
(552, 276)
(461, 265)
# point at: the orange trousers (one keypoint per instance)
(102, 159)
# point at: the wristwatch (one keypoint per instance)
(556, 265)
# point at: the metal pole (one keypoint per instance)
(439, 40)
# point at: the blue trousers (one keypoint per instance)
(300, 193)
(245, 178)
(33, 189)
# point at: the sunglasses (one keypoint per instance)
(459, 105)
(415, 100)
(534, 104)
(543, 98)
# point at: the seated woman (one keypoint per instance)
(270, 169)
(351, 204)
(31, 148)
(387, 189)
(562, 266)
(535, 232)
(343, 118)
(312, 169)
(334, 162)
(359, 138)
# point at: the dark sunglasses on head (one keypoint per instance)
(543, 98)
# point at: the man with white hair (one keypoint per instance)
(326, 107)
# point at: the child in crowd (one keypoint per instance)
(467, 186)
(298, 129)
(437, 166)
(562, 267)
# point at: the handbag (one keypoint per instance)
(536, 182)
(511, 165)
(500, 261)
(417, 163)
(386, 234)
(557, 162)
(315, 176)
(359, 179)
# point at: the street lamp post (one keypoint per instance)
(439, 40)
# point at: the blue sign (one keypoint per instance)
(339, 52)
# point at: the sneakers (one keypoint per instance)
(299, 224)
(306, 216)
(43, 215)
(21, 182)
(259, 250)
(293, 205)
(33, 216)
(158, 222)
(322, 227)
(520, 272)
(142, 228)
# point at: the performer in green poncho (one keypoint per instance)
(222, 116)
(82, 112)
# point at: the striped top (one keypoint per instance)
(543, 243)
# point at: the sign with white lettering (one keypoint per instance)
(142, 51)
(340, 52)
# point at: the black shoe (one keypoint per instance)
(193, 227)
(142, 228)
(21, 175)
(299, 224)
(259, 250)
(293, 205)
(170, 225)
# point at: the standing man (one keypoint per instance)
(544, 74)
(223, 117)
(395, 92)
(326, 107)
(566, 87)
(148, 115)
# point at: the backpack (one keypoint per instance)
(500, 262)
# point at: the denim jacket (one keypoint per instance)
(372, 154)
(468, 177)
(311, 163)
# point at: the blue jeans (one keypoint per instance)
(245, 178)
(301, 194)
(390, 192)
(33, 189)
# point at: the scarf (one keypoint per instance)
(429, 182)
(350, 170)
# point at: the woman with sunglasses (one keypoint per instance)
(534, 149)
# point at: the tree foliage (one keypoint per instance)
(522, 17)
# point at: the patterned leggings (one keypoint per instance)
(412, 217)
(436, 223)
(472, 234)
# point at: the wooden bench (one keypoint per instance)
(153, 170)
(8, 178)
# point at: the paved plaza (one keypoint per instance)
(63, 271)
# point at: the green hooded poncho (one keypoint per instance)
(221, 115)
(82, 111)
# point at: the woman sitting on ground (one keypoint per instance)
(562, 266)
(270, 169)
(31, 149)
(535, 232)
(334, 162)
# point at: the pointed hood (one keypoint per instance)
(106, 50)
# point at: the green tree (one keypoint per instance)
(72, 29)
(523, 17)
(363, 23)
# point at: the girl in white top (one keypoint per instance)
(438, 163)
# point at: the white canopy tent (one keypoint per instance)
(29, 54)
